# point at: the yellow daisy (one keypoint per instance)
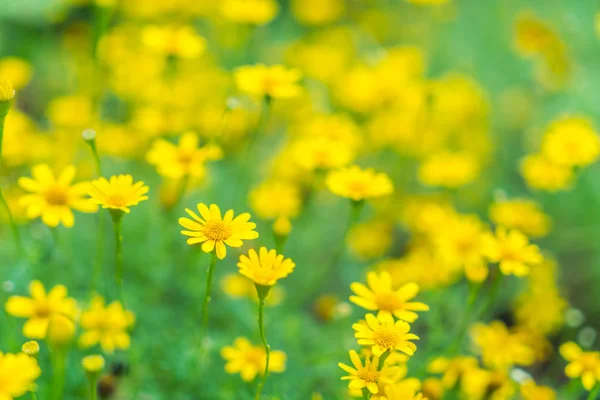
(511, 249)
(106, 325)
(380, 296)
(265, 267)
(368, 375)
(52, 197)
(40, 308)
(249, 360)
(584, 364)
(271, 81)
(358, 184)
(18, 373)
(214, 231)
(118, 193)
(383, 334)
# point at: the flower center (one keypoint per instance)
(217, 230)
(388, 301)
(184, 157)
(42, 310)
(357, 187)
(386, 338)
(117, 200)
(56, 196)
(368, 376)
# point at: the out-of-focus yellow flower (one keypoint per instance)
(383, 334)
(379, 296)
(214, 231)
(266, 267)
(359, 184)
(237, 286)
(256, 12)
(481, 383)
(335, 127)
(368, 375)
(532, 35)
(249, 360)
(18, 373)
(282, 226)
(397, 391)
(17, 71)
(584, 364)
(31, 348)
(93, 364)
(452, 369)
(329, 307)
(541, 310)
(522, 214)
(371, 239)
(180, 41)
(185, 159)
(321, 153)
(317, 12)
(276, 81)
(61, 330)
(106, 325)
(7, 93)
(53, 198)
(433, 389)
(273, 199)
(501, 348)
(448, 169)
(359, 89)
(512, 250)
(531, 391)
(74, 112)
(40, 308)
(540, 173)
(118, 193)
(571, 142)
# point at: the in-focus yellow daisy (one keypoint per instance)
(276, 82)
(584, 364)
(40, 307)
(382, 334)
(512, 250)
(380, 296)
(368, 375)
(53, 198)
(215, 231)
(119, 193)
(266, 267)
(249, 360)
(18, 373)
(184, 159)
(106, 325)
(359, 184)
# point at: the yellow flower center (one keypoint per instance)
(184, 157)
(386, 338)
(589, 362)
(42, 310)
(56, 196)
(217, 230)
(388, 301)
(357, 187)
(368, 376)
(116, 200)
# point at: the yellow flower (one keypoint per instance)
(15, 70)
(368, 375)
(185, 159)
(31, 348)
(318, 153)
(571, 142)
(370, 240)
(453, 369)
(40, 308)
(61, 330)
(214, 231)
(402, 392)
(118, 193)
(380, 296)
(359, 184)
(53, 198)
(106, 325)
(93, 364)
(6, 91)
(266, 267)
(273, 199)
(531, 391)
(18, 373)
(317, 12)
(540, 173)
(249, 360)
(584, 364)
(481, 384)
(511, 249)
(382, 334)
(524, 215)
(533, 36)
(449, 169)
(258, 12)
(181, 41)
(237, 286)
(500, 348)
(275, 81)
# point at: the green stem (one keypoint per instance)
(594, 393)
(117, 222)
(33, 396)
(473, 292)
(209, 279)
(11, 220)
(492, 293)
(99, 254)
(93, 389)
(58, 370)
(181, 190)
(366, 394)
(261, 328)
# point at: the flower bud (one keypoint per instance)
(93, 364)
(31, 348)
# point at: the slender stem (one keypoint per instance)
(99, 254)
(58, 370)
(11, 220)
(33, 396)
(93, 389)
(209, 279)
(492, 293)
(366, 394)
(117, 221)
(261, 328)
(473, 292)
(594, 393)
